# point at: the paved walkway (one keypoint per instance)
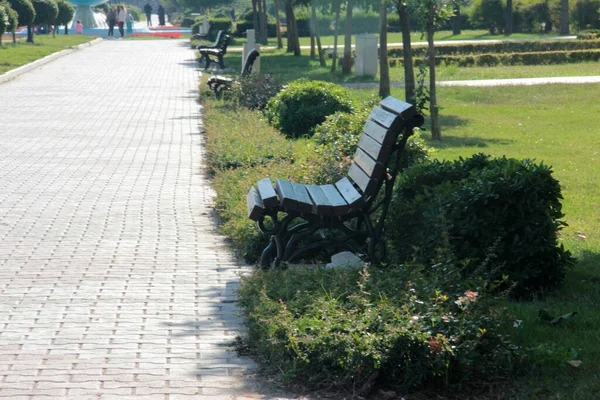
(113, 281)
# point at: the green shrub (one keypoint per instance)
(220, 24)
(591, 34)
(255, 90)
(336, 142)
(356, 329)
(481, 205)
(304, 104)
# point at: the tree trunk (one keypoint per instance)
(508, 23)
(263, 25)
(292, 30)
(335, 37)
(456, 21)
(347, 61)
(14, 35)
(384, 68)
(322, 60)
(436, 133)
(66, 29)
(29, 34)
(255, 16)
(409, 72)
(278, 24)
(313, 18)
(564, 17)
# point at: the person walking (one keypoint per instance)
(121, 17)
(129, 23)
(161, 15)
(148, 11)
(79, 27)
(111, 20)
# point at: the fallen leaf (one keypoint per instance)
(581, 235)
(575, 363)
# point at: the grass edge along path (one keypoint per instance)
(12, 57)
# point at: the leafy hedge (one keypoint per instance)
(304, 104)
(480, 206)
(542, 58)
(360, 328)
(504, 47)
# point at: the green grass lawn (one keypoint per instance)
(24, 53)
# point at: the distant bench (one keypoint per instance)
(219, 83)
(215, 55)
(347, 215)
(215, 45)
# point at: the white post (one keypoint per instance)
(249, 45)
(205, 25)
(367, 59)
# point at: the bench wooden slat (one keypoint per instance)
(399, 107)
(370, 146)
(287, 196)
(366, 163)
(359, 177)
(349, 192)
(382, 135)
(320, 200)
(254, 204)
(337, 201)
(383, 117)
(267, 193)
(305, 204)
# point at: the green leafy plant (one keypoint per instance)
(483, 206)
(360, 328)
(304, 104)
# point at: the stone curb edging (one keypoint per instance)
(13, 73)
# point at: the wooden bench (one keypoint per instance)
(348, 214)
(215, 45)
(218, 83)
(215, 55)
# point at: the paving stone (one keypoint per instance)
(114, 281)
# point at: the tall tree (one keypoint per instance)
(278, 25)
(264, 36)
(65, 14)
(293, 42)
(26, 15)
(508, 21)
(430, 13)
(13, 23)
(320, 50)
(347, 61)
(337, 6)
(313, 24)
(409, 72)
(564, 17)
(384, 68)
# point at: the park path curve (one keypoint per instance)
(113, 281)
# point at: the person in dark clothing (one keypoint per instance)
(161, 15)
(148, 11)
(111, 19)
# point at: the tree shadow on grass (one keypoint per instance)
(449, 141)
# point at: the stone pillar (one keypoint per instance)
(367, 57)
(249, 45)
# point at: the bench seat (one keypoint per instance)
(330, 207)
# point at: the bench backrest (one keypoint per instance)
(224, 44)
(219, 39)
(377, 143)
(249, 63)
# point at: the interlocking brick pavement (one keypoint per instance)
(113, 281)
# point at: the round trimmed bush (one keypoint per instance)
(304, 104)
